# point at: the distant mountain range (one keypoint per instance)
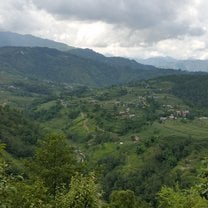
(32, 57)
(74, 66)
(171, 63)
(18, 40)
(14, 39)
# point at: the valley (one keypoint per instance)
(144, 131)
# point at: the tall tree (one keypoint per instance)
(82, 194)
(194, 197)
(123, 199)
(7, 191)
(177, 198)
(55, 162)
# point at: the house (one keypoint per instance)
(171, 117)
(135, 139)
(183, 113)
(131, 115)
(163, 118)
(203, 118)
(122, 113)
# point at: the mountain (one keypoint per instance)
(118, 62)
(18, 40)
(14, 39)
(171, 63)
(54, 65)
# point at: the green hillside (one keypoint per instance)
(141, 136)
(18, 132)
(195, 88)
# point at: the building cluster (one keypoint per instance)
(173, 114)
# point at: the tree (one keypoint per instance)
(7, 190)
(32, 195)
(55, 162)
(122, 199)
(82, 194)
(202, 187)
(170, 198)
(194, 197)
(15, 192)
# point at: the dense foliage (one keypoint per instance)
(191, 88)
(18, 132)
(47, 184)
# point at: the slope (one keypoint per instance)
(15, 39)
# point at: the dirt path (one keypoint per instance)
(85, 122)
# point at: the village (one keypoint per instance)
(172, 113)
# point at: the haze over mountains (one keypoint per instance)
(14, 39)
(171, 63)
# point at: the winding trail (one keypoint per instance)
(84, 122)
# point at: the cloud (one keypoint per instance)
(120, 27)
(20, 16)
(134, 14)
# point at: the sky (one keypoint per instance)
(129, 28)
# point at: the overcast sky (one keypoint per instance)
(131, 28)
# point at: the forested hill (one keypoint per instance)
(190, 88)
(18, 132)
(59, 66)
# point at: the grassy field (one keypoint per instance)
(195, 128)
